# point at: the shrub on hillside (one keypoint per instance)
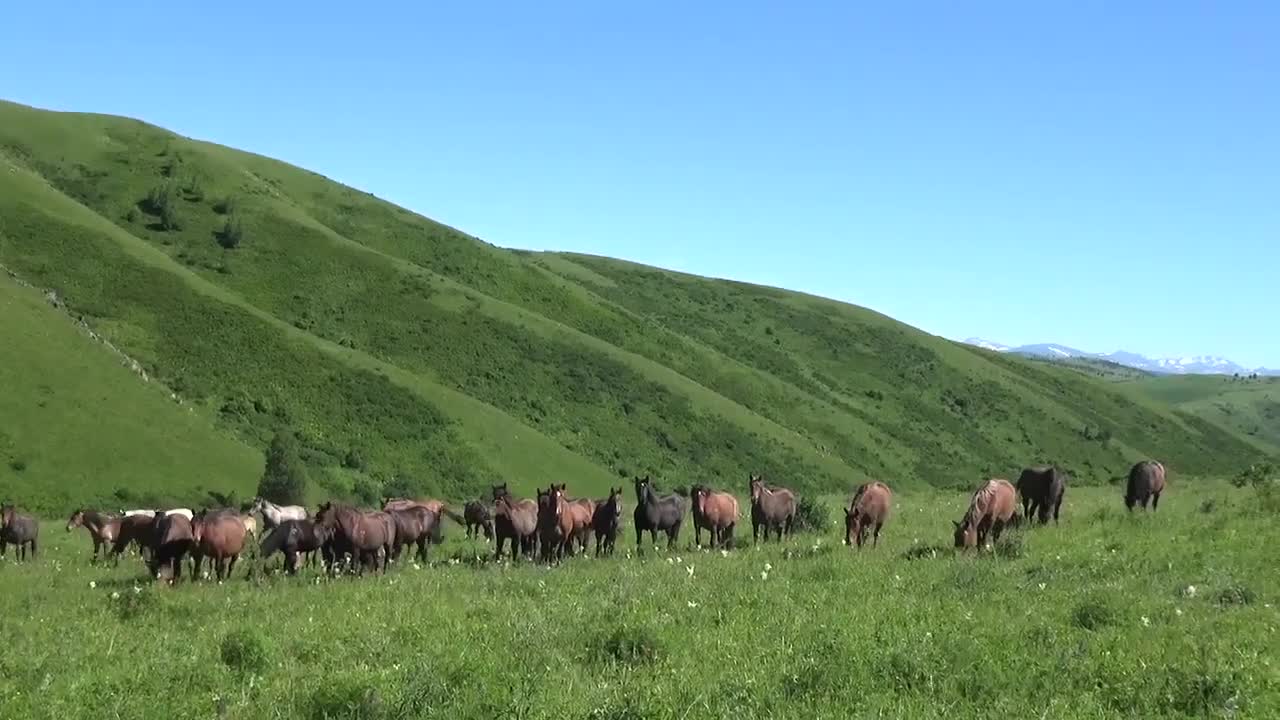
(225, 206)
(812, 516)
(284, 479)
(232, 233)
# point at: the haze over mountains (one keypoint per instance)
(1187, 365)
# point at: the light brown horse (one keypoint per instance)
(715, 511)
(515, 520)
(989, 509)
(363, 534)
(219, 536)
(1146, 482)
(869, 509)
(771, 509)
(567, 523)
(103, 529)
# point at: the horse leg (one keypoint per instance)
(1057, 507)
(1155, 502)
(875, 537)
(639, 541)
(231, 566)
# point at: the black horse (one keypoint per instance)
(297, 539)
(19, 529)
(1042, 489)
(655, 513)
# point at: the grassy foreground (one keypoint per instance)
(1170, 615)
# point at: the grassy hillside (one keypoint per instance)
(1251, 408)
(1106, 616)
(1104, 369)
(397, 348)
(76, 425)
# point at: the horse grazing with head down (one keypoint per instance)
(655, 513)
(477, 517)
(606, 521)
(18, 528)
(515, 520)
(1042, 488)
(170, 539)
(990, 508)
(363, 534)
(771, 508)
(868, 510)
(715, 511)
(220, 536)
(1146, 482)
(103, 529)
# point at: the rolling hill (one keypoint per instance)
(1249, 407)
(400, 350)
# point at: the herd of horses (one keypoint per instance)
(551, 527)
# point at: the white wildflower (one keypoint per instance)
(1146, 622)
(679, 561)
(768, 567)
(693, 604)
(1177, 611)
(671, 561)
(1042, 586)
(764, 575)
(724, 553)
(1190, 591)
(92, 585)
(115, 596)
(690, 569)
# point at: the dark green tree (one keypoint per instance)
(284, 479)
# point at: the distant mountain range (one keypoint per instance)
(1190, 365)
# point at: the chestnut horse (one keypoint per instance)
(1146, 482)
(771, 508)
(363, 534)
(1042, 488)
(17, 528)
(515, 520)
(561, 522)
(715, 511)
(103, 528)
(869, 509)
(220, 536)
(606, 521)
(989, 509)
(655, 513)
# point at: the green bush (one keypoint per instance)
(245, 651)
(232, 233)
(812, 516)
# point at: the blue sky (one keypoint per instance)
(1103, 175)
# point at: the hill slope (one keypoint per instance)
(403, 350)
(1251, 408)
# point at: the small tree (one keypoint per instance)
(232, 233)
(169, 218)
(284, 479)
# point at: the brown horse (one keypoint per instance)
(715, 511)
(1146, 482)
(989, 509)
(1042, 488)
(869, 509)
(415, 525)
(771, 509)
(135, 529)
(170, 539)
(103, 528)
(606, 521)
(296, 539)
(363, 534)
(515, 520)
(18, 528)
(562, 522)
(219, 536)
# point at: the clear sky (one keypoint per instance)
(1099, 174)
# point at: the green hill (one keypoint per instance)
(402, 350)
(1250, 407)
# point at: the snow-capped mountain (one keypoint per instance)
(1190, 365)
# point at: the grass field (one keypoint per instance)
(1249, 407)
(1107, 615)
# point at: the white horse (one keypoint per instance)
(184, 512)
(273, 514)
(152, 513)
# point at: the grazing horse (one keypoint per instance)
(170, 539)
(476, 516)
(515, 520)
(770, 509)
(655, 513)
(103, 529)
(715, 511)
(989, 509)
(606, 521)
(220, 536)
(869, 509)
(1146, 482)
(363, 534)
(17, 528)
(1042, 488)
(295, 538)
(415, 525)
(273, 514)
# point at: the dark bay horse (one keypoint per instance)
(135, 530)
(219, 536)
(1146, 482)
(296, 539)
(655, 513)
(18, 528)
(363, 534)
(606, 521)
(415, 525)
(990, 508)
(1042, 488)
(869, 509)
(103, 529)
(170, 539)
(477, 517)
(771, 508)
(715, 511)
(515, 520)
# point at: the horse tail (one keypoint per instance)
(437, 528)
(452, 516)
